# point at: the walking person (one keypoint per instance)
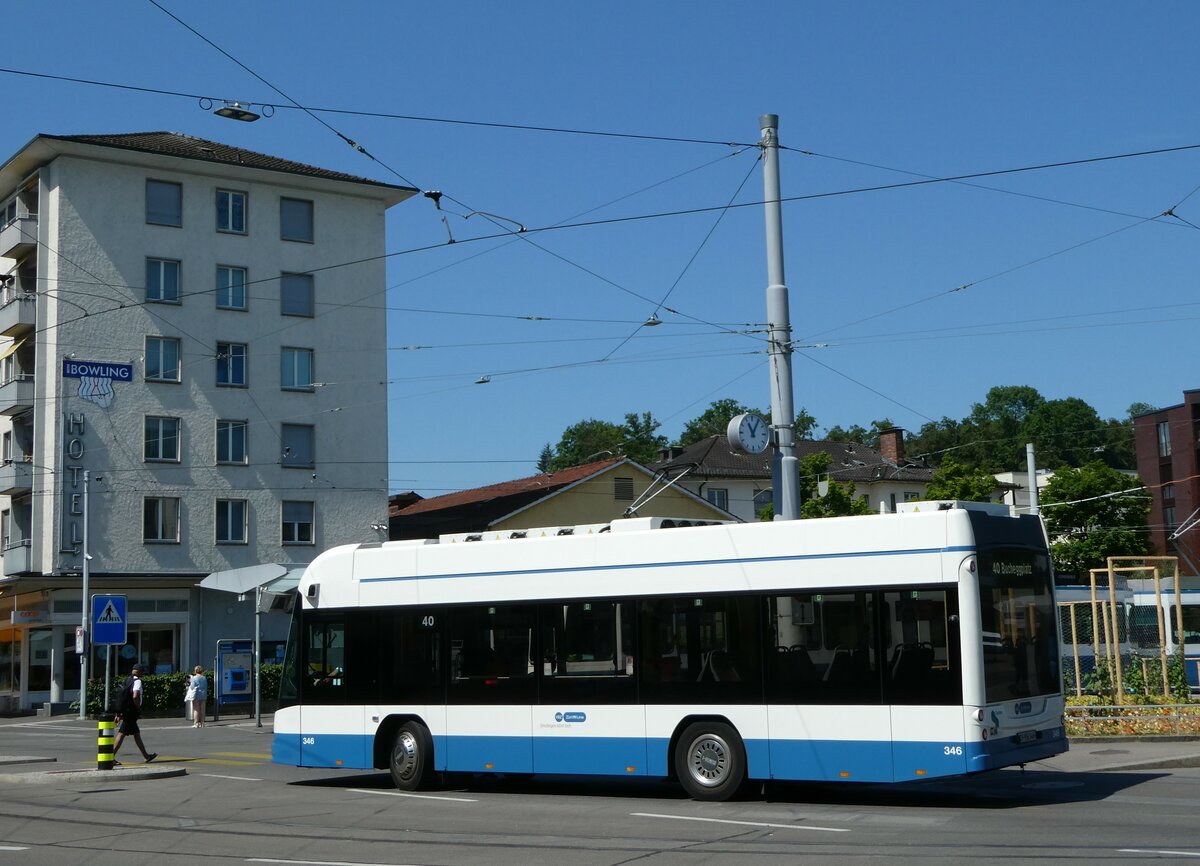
(199, 693)
(188, 694)
(129, 710)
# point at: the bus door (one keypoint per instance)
(492, 688)
(331, 716)
(922, 678)
(588, 719)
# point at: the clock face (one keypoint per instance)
(749, 433)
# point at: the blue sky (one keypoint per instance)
(1072, 286)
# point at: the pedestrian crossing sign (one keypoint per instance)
(109, 620)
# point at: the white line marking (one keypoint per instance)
(1171, 853)
(315, 862)
(414, 796)
(12, 848)
(235, 778)
(742, 823)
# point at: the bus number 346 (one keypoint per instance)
(952, 750)
(308, 741)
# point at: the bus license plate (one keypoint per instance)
(1026, 736)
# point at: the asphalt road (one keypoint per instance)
(233, 806)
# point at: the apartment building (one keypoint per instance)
(1168, 461)
(192, 380)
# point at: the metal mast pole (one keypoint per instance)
(1031, 468)
(87, 649)
(783, 414)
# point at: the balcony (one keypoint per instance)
(16, 477)
(18, 312)
(18, 236)
(18, 557)
(16, 395)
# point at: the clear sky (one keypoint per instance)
(1072, 285)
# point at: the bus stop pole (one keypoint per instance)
(258, 655)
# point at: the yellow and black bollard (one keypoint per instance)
(104, 743)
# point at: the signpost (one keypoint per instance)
(110, 627)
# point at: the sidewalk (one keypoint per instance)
(1112, 754)
(41, 769)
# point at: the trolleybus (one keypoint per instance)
(883, 648)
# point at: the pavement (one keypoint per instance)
(1086, 755)
(30, 769)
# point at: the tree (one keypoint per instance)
(860, 435)
(715, 420)
(1065, 433)
(954, 480)
(839, 499)
(593, 439)
(585, 441)
(545, 459)
(1094, 512)
(998, 427)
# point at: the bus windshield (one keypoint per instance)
(1020, 643)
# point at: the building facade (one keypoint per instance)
(1167, 460)
(190, 381)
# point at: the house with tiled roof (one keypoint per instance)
(588, 494)
(741, 483)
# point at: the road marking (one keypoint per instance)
(1169, 853)
(242, 755)
(413, 796)
(12, 848)
(741, 823)
(236, 778)
(316, 862)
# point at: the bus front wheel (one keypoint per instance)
(412, 757)
(710, 761)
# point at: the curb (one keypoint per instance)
(16, 759)
(117, 774)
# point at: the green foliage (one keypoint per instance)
(1092, 524)
(956, 480)
(839, 499)
(162, 694)
(545, 458)
(592, 439)
(858, 434)
(714, 421)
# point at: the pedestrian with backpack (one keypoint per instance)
(129, 710)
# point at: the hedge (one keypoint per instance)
(162, 694)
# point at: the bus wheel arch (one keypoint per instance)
(708, 757)
(404, 746)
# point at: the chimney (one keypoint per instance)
(891, 445)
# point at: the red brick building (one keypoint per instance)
(1167, 456)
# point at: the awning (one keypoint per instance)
(242, 580)
(15, 345)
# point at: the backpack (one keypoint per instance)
(126, 705)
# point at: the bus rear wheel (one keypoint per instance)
(710, 761)
(411, 761)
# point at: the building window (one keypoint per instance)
(160, 520)
(161, 439)
(718, 496)
(296, 220)
(623, 489)
(162, 281)
(1168, 492)
(1169, 517)
(296, 295)
(231, 442)
(763, 498)
(1164, 439)
(296, 371)
(162, 359)
(297, 442)
(231, 364)
(231, 211)
(164, 203)
(911, 496)
(297, 522)
(231, 288)
(231, 521)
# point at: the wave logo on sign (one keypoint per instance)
(570, 717)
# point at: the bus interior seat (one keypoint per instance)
(841, 668)
(911, 662)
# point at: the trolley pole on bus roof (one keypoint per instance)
(783, 414)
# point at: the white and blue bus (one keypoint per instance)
(1147, 618)
(865, 649)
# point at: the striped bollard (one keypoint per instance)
(104, 742)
